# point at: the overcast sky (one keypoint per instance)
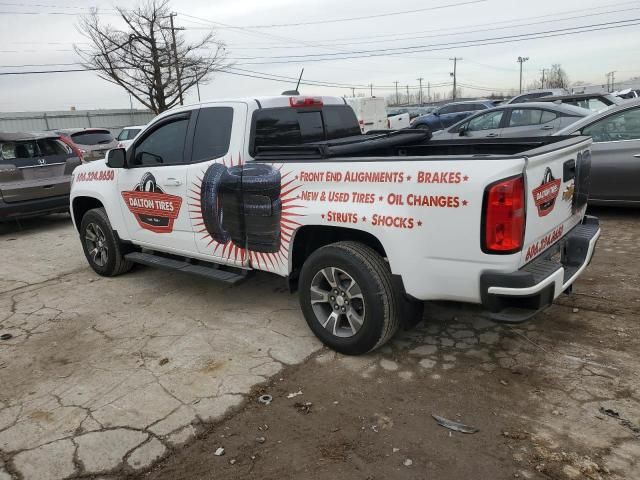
(44, 33)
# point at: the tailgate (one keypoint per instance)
(557, 184)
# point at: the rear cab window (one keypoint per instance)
(290, 126)
(92, 137)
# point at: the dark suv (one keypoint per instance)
(35, 174)
(449, 114)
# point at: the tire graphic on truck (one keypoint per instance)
(241, 204)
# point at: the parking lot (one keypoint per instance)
(148, 374)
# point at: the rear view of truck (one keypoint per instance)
(541, 216)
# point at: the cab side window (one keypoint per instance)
(213, 133)
(165, 145)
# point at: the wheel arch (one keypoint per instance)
(310, 238)
(81, 205)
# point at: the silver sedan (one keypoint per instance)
(615, 155)
(533, 119)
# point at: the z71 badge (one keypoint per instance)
(545, 195)
(154, 210)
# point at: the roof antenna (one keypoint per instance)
(295, 92)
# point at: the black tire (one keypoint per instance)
(259, 179)
(148, 183)
(115, 263)
(210, 201)
(372, 274)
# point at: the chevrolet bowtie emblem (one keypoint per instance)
(568, 192)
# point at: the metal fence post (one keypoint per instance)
(46, 121)
(89, 119)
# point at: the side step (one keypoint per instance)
(211, 273)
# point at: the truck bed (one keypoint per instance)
(412, 143)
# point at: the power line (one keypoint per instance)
(464, 32)
(420, 48)
(365, 17)
(446, 29)
(441, 46)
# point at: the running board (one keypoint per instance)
(211, 273)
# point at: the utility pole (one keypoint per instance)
(197, 84)
(613, 81)
(420, 94)
(521, 60)
(544, 70)
(408, 97)
(371, 88)
(353, 92)
(175, 55)
(454, 75)
(131, 109)
(397, 97)
(429, 92)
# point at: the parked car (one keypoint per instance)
(520, 120)
(93, 142)
(615, 162)
(533, 94)
(627, 93)
(35, 174)
(127, 135)
(449, 114)
(366, 227)
(591, 101)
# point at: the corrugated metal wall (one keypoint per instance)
(41, 121)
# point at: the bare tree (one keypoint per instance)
(142, 57)
(556, 77)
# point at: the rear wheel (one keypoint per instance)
(101, 246)
(347, 297)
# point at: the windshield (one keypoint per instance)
(128, 133)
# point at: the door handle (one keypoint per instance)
(548, 127)
(492, 135)
(172, 182)
(637, 155)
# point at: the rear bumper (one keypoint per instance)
(39, 206)
(516, 297)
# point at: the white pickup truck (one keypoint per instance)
(366, 227)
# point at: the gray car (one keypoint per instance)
(615, 161)
(93, 142)
(35, 174)
(520, 120)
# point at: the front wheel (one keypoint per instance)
(347, 297)
(101, 246)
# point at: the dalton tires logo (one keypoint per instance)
(153, 209)
(545, 195)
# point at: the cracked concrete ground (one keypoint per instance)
(106, 376)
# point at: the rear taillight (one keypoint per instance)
(504, 216)
(305, 101)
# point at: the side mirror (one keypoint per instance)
(462, 131)
(117, 158)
